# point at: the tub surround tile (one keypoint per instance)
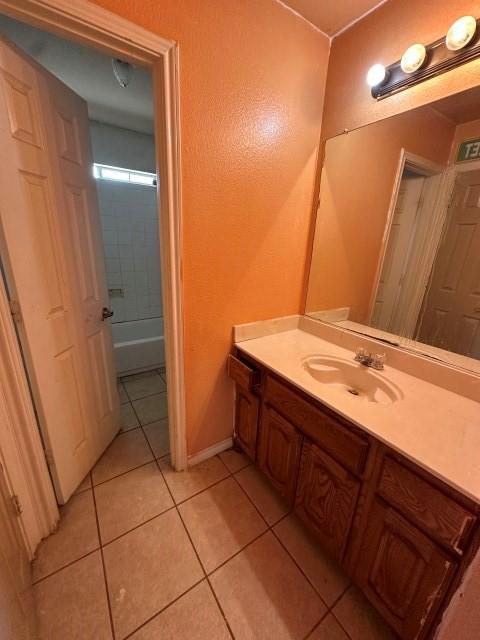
(76, 536)
(264, 595)
(131, 499)
(127, 451)
(262, 494)
(147, 569)
(151, 408)
(158, 437)
(220, 521)
(194, 616)
(143, 385)
(185, 484)
(128, 418)
(73, 603)
(325, 574)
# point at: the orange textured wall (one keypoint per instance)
(382, 37)
(357, 183)
(252, 78)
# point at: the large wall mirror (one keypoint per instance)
(396, 252)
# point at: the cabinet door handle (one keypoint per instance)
(106, 313)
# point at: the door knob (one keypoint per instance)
(106, 313)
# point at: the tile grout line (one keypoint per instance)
(110, 614)
(195, 550)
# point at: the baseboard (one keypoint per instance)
(209, 452)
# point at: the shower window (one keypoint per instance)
(118, 174)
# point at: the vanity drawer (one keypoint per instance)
(336, 438)
(440, 516)
(242, 374)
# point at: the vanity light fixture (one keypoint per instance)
(461, 33)
(420, 62)
(376, 75)
(413, 58)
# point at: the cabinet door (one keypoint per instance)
(279, 451)
(326, 498)
(402, 572)
(246, 421)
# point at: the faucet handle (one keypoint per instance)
(378, 360)
(360, 353)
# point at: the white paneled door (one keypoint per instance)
(52, 255)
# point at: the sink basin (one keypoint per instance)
(352, 378)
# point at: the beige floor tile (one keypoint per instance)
(147, 569)
(75, 537)
(151, 408)
(128, 419)
(185, 484)
(127, 501)
(359, 619)
(144, 384)
(264, 595)
(158, 437)
(72, 604)
(122, 394)
(195, 616)
(220, 521)
(127, 451)
(234, 460)
(263, 495)
(329, 629)
(85, 484)
(325, 574)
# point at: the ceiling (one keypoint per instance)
(461, 107)
(89, 73)
(332, 16)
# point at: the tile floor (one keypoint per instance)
(145, 553)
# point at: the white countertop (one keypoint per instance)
(436, 428)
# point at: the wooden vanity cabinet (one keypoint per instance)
(246, 421)
(404, 537)
(326, 498)
(278, 453)
(401, 571)
(247, 381)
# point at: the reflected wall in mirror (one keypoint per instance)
(396, 252)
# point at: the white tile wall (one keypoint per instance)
(131, 242)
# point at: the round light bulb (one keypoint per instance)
(413, 58)
(376, 75)
(461, 33)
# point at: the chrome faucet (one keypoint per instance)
(375, 361)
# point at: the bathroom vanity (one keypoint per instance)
(376, 464)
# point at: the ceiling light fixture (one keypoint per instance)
(461, 33)
(122, 71)
(376, 75)
(413, 58)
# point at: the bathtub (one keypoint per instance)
(138, 345)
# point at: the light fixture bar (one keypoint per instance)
(439, 59)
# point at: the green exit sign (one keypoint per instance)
(469, 150)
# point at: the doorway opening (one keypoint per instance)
(406, 263)
(128, 244)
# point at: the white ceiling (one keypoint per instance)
(333, 16)
(89, 73)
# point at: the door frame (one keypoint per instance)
(98, 28)
(433, 238)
